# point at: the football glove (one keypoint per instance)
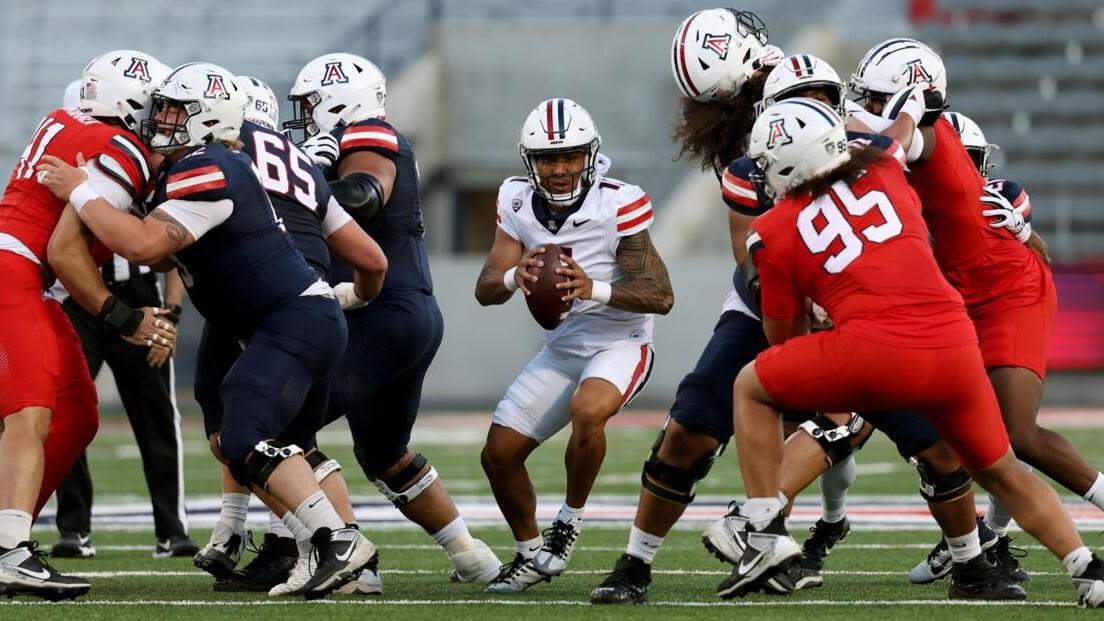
(322, 149)
(347, 297)
(908, 100)
(1004, 215)
(772, 55)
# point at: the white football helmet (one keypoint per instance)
(558, 126)
(212, 108)
(119, 84)
(336, 89)
(716, 51)
(795, 140)
(973, 139)
(796, 73)
(896, 63)
(261, 106)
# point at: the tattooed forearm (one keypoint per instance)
(648, 288)
(173, 229)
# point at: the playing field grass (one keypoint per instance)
(866, 574)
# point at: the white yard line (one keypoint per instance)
(443, 571)
(537, 602)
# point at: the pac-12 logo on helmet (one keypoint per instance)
(717, 43)
(215, 87)
(334, 74)
(778, 134)
(138, 69)
(916, 72)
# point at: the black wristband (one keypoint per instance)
(120, 317)
(175, 311)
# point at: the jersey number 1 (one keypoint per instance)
(838, 227)
(47, 130)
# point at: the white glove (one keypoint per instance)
(772, 55)
(346, 295)
(909, 100)
(322, 149)
(1005, 215)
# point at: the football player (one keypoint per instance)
(340, 104)
(600, 356)
(210, 214)
(847, 232)
(47, 398)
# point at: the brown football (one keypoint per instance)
(544, 298)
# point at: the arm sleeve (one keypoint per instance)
(336, 217)
(108, 185)
(198, 216)
(634, 211)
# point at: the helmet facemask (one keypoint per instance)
(171, 132)
(302, 112)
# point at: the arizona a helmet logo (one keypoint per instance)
(215, 87)
(334, 73)
(778, 135)
(139, 69)
(717, 43)
(915, 72)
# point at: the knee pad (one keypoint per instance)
(323, 466)
(261, 461)
(406, 485)
(940, 488)
(670, 482)
(838, 441)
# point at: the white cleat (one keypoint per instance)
(726, 538)
(1090, 585)
(559, 544)
(477, 564)
(368, 582)
(516, 577)
(769, 551)
(297, 579)
(339, 555)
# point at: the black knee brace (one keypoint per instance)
(406, 485)
(323, 466)
(940, 488)
(670, 482)
(838, 441)
(260, 462)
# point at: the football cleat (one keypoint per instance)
(726, 538)
(339, 556)
(221, 554)
(515, 577)
(478, 564)
(823, 536)
(1090, 584)
(297, 579)
(1005, 558)
(24, 571)
(367, 582)
(626, 584)
(977, 579)
(792, 578)
(559, 543)
(938, 563)
(73, 545)
(177, 545)
(768, 550)
(273, 564)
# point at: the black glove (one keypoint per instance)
(120, 317)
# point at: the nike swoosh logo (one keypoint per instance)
(344, 556)
(536, 548)
(41, 574)
(580, 222)
(311, 506)
(744, 568)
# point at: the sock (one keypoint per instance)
(318, 512)
(234, 511)
(454, 537)
(1095, 494)
(760, 511)
(277, 527)
(782, 498)
(15, 527)
(299, 532)
(834, 484)
(998, 517)
(965, 547)
(643, 545)
(1077, 561)
(567, 513)
(528, 549)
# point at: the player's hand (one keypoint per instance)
(818, 318)
(59, 177)
(347, 297)
(908, 100)
(772, 55)
(522, 275)
(580, 286)
(1004, 215)
(322, 149)
(156, 357)
(155, 331)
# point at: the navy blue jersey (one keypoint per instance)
(246, 266)
(397, 228)
(297, 188)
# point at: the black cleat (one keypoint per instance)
(1090, 584)
(1005, 557)
(73, 545)
(977, 579)
(769, 551)
(823, 536)
(175, 546)
(275, 558)
(24, 571)
(627, 584)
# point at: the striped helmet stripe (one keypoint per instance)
(680, 58)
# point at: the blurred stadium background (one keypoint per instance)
(464, 73)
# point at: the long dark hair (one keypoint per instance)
(848, 172)
(716, 132)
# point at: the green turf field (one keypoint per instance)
(866, 574)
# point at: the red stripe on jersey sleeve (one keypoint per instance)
(633, 205)
(195, 172)
(738, 180)
(739, 199)
(348, 143)
(193, 189)
(644, 217)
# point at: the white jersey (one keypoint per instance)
(611, 210)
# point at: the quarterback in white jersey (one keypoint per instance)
(600, 356)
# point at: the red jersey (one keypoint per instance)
(862, 252)
(29, 211)
(985, 264)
